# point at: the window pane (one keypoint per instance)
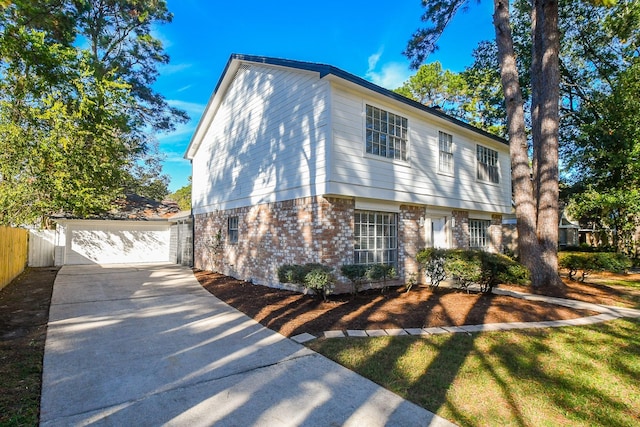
(488, 165)
(386, 134)
(375, 237)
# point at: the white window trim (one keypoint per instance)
(372, 156)
(498, 165)
(439, 170)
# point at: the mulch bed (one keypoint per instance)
(291, 313)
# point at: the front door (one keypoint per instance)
(438, 232)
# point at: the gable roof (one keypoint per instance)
(323, 70)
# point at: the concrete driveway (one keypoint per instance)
(146, 345)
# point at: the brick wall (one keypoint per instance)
(313, 229)
(306, 230)
(461, 229)
(410, 239)
(495, 233)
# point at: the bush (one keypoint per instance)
(321, 281)
(296, 273)
(471, 266)
(356, 273)
(313, 276)
(589, 262)
(382, 272)
(432, 262)
(464, 267)
(359, 274)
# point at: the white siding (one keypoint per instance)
(267, 140)
(355, 173)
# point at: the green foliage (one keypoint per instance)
(316, 277)
(296, 273)
(464, 267)
(467, 267)
(75, 121)
(357, 274)
(320, 281)
(589, 262)
(432, 262)
(182, 196)
(470, 96)
(382, 272)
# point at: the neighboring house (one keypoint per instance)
(297, 162)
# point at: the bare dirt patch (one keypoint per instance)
(24, 312)
(291, 313)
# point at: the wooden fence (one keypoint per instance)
(13, 253)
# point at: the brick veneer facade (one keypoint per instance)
(460, 229)
(306, 230)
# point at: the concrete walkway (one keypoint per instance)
(147, 345)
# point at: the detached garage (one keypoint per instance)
(137, 230)
(112, 242)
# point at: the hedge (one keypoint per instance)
(589, 262)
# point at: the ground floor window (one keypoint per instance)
(479, 237)
(376, 238)
(232, 229)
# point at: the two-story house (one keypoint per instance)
(297, 162)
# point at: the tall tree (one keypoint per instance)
(608, 157)
(536, 202)
(76, 122)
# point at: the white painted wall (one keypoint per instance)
(266, 142)
(114, 242)
(356, 173)
(41, 248)
(278, 133)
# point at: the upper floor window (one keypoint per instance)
(446, 152)
(386, 134)
(232, 229)
(488, 164)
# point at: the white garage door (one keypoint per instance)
(117, 242)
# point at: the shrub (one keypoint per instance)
(497, 268)
(464, 267)
(589, 262)
(471, 266)
(316, 277)
(296, 273)
(356, 273)
(432, 262)
(321, 281)
(381, 272)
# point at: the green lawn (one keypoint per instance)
(572, 376)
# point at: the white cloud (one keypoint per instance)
(169, 69)
(389, 75)
(373, 60)
(183, 88)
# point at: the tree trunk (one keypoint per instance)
(545, 84)
(530, 248)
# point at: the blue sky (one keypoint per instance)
(362, 37)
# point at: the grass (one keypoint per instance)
(574, 376)
(632, 284)
(21, 372)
